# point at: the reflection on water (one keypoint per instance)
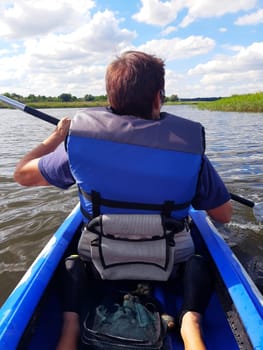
(29, 216)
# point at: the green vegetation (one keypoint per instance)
(66, 100)
(236, 103)
(69, 104)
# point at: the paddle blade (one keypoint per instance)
(258, 211)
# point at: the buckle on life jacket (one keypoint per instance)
(166, 208)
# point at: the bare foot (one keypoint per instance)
(191, 331)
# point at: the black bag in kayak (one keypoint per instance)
(133, 323)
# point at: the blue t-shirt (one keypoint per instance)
(211, 191)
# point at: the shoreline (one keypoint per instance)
(252, 103)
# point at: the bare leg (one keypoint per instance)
(191, 331)
(198, 287)
(74, 285)
(70, 332)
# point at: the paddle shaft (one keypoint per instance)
(52, 120)
(242, 200)
(29, 110)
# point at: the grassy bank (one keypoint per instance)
(73, 104)
(236, 103)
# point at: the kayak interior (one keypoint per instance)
(224, 325)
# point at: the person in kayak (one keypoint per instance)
(134, 153)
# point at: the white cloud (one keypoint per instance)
(176, 84)
(66, 62)
(214, 8)
(235, 48)
(162, 13)
(226, 75)
(168, 30)
(251, 19)
(247, 59)
(90, 42)
(157, 12)
(176, 48)
(4, 52)
(59, 46)
(34, 18)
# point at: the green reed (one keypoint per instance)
(236, 103)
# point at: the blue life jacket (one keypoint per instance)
(125, 164)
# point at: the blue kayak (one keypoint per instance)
(31, 316)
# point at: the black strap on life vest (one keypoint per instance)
(166, 208)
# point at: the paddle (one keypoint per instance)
(257, 208)
(27, 109)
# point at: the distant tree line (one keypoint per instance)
(66, 97)
(200, 99)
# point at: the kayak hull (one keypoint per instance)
(31, 317)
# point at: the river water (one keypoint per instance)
(29, 216)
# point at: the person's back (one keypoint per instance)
(134, 160)
(132, 154)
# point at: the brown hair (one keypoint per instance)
(132, 82)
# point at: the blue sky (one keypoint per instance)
(210, 47)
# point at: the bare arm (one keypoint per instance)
(27, 172)
(222, 214)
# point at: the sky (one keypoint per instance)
(210, 47)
